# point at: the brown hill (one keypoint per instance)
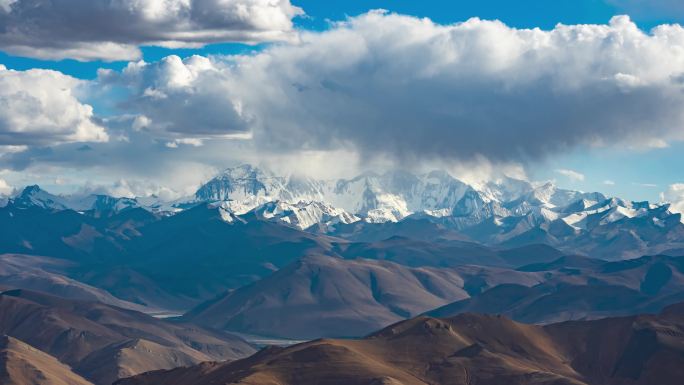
(21, 364)
(321, 296)
(103, 343)
(465, 350)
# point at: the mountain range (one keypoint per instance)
(248, 226)
(505, 213)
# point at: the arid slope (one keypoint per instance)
(465, 350)
(21, 364)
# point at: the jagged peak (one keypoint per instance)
(244, 171)
(30, 190)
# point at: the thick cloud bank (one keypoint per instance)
(114, 29)
(40, 107)
(385, 84)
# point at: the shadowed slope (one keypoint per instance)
(582, 288)
(333, 297)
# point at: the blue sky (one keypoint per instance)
(634, 173)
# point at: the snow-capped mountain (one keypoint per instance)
(34, 196)
(393, 196)
(506, 212)
(379, 198)
(305, 214)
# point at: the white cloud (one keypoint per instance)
(140, 122)
(132, 189)
(40, 107)
(5, 188)
(649, 185)
(186, 141)
(390, 85)
(185, 100)
(396, 90)
(608, 182)
(674, 195)
(114, 30)
(571, 174)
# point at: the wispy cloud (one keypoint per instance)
(571, 174)
(608, 182)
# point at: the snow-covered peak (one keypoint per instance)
(239, 183)
(100, 203)
(34, 196)
(551, 196)
(476, 206)
(305, 214)
(505, 189)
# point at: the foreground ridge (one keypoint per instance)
(466, 349)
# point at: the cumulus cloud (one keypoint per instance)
(394, 90)
(114, 30)
(40, 107)
(391, 85)
(185, 100)
(571, 174)
(674, 195)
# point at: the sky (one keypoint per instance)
(155, 96)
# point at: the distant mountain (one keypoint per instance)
(305, 215)
(508, 212)
(39, 274)
(505, 213)
(390, 196)
(103, 343)
(247, 223)
(445, 253)
(582, 288)
(332, 297)
(34, 196)
(68, 234)
(175, 262)
(466, 349)
(21, 364)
